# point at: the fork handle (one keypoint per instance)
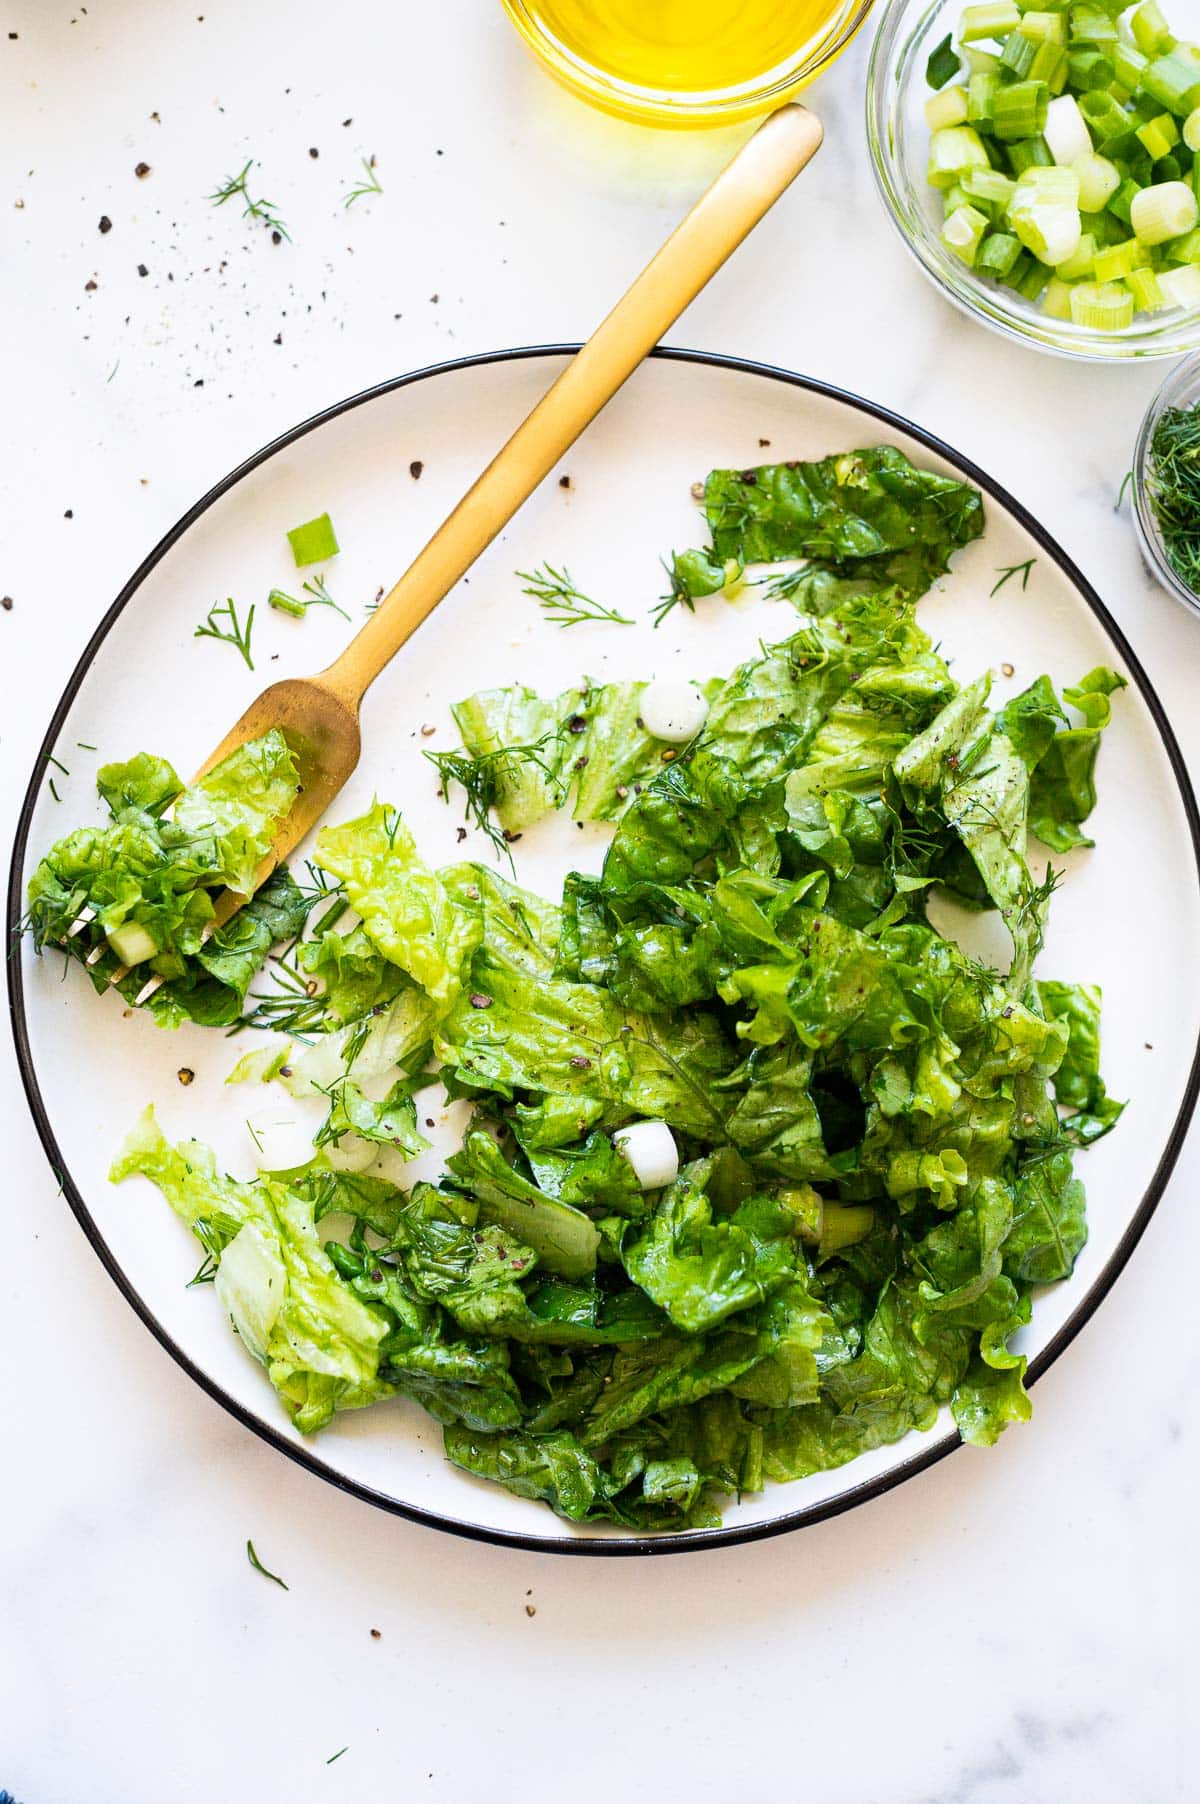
(716, 225)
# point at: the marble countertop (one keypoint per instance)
(1013, 1627)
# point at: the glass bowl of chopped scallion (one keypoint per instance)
(1042, 162)
(1166, 485)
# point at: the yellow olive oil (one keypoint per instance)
(685, 47)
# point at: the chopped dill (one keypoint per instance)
(678, 594)
(369, 185)
(235, 186)
(237, 633)
(297, 1007)
(560, 601)
(1173, 485)
(273, 1576)
(481, 779)
(1004, 571)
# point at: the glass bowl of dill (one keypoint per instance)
(1166, 484)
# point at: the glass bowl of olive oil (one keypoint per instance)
(686, 62)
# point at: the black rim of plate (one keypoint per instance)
(631, 1544)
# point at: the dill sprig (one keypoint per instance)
(1005, 571)
(318, 597)
(370, 185)
(236, 633)
(259, 1567)
(677, 595)
(481, 780)
(235, 186)
(296, 1007)
(1173, 484)
(560, 601)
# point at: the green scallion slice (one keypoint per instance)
(1102, 307)
(314, 542)
(943, 65)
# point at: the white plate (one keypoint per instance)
(1128, 915)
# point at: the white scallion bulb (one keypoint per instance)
(674, 712)
(281, 1137)
(650, 1148)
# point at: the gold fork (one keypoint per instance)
(318, 715)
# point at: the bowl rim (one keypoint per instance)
(706, 106)
(901, 24)
(627, 1546)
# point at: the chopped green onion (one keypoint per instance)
(1191, 131)
(313, 542)
(1090, 69)
(1050, 65)
(1044, 27)
(1056, 302)
(1080, 263)
(980, 90)
(952, 151)
(1185, 249)
(980, 62)
(1166, 210)
(132, 943)
(1017, 53)
(1147, 293)
(1169, 169)
(1102, 308)
(994, 20)
(1105, 227)
(1098, 181)
(287, 604)
(990, 185)
(1122, 201)
(1151, 33)
(1180, 287)
(998, 255)
(1117, 260)
(943, 65)
(1030, 153)
(963, 232)
(947, 108)
(1174, 81)
(1065, 131)
(1045, 213)
(1019, 110)
(1128, 64)
(1158, 135)
(1030, 283)
(1091, 25)
(1105, 119)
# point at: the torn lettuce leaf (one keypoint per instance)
(319, 1342)
(150, 878)
(1078, 1086)
(859, 504)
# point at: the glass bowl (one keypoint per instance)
(909, 30)
(1181, 389)
(688, 107)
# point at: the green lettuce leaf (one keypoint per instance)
(859, 504)
(319, 1342)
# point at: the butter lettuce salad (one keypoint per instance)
(761, 1168)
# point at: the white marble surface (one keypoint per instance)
(1011, 1628)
